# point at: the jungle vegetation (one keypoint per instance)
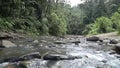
(57, 17)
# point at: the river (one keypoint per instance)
(88, 54)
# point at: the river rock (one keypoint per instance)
(7, 44)
(31, 56)
(5, 36)
(93, 38)
(60, 42)
(54, 57)
(59, 57)
(23, 58)
(117, 48)
(35, 41)
(76, 42)
(113, 41)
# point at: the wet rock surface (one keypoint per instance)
(113, 41)
(7, 44)
(61, 52)
(93, 38)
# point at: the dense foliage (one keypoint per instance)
(32, 16)
(105, 24)
(56, 17)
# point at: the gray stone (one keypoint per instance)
(59, 57)
(7, 44)
(60, 42)
(31, 56)
(5, 36)
(76, 42)
(93, 38)
(117, 48)
(35, 41)
(113, 41)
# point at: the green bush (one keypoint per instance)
(101, 25)
(115, 20)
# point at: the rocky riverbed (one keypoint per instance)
(61, 52)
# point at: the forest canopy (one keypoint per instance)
(57, 17)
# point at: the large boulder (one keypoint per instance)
(31, 56)
(117, 48)
(2, 37)
(113, 41)
(93, 38)
(7, 44)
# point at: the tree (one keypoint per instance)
(57, 26)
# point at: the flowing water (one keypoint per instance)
(92, 55)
